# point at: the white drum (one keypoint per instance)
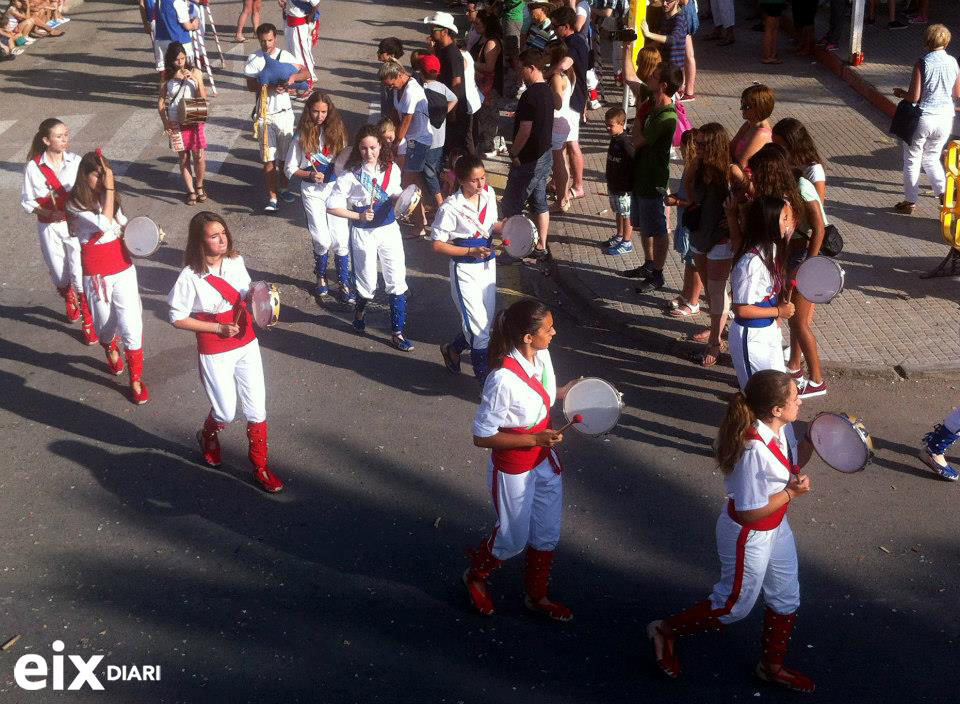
(264, 304)
(820, 279)
(407, 202)
(519, 236)
(842, 441)
(142, 236)
(597, 401)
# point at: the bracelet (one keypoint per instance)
(109, 189)
(789, 496)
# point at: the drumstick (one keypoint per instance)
(576, 419)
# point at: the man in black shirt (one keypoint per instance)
(531, 158)
(564, 22)
(442, 31)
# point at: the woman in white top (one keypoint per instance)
(182, 81)
(566, 125)
(47, 179)
(210, 298)
(790, 134)
(934, 87)
(755, 544)
(109, 277)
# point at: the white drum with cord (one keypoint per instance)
(519, 236)
(142, 236)
(820, 279)
(264, 304)
(597, 402)
(842, 441)
(407, 202)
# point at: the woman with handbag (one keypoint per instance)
(934, 88)
(182, 81)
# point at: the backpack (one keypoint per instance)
(436, 107)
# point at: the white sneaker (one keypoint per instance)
(270, 207)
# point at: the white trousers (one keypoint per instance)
(385, 243)
(327, 231)
(300, 44)
(924, 150)
(474, 290)
(723, 13)
(751, 561)
(117, 310)
(755, 349)
(61, 254)
(235, 373)
(529, 509)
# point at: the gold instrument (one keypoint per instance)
(260, 125)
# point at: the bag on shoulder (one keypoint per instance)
(832, 241)
(436, 107)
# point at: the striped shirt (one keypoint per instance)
(538, 36)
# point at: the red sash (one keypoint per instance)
(522, 459)
(211, 342)
(103, 259)
(59, 202)
(774, 519)
(295, 21)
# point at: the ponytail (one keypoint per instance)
(764, 391)
(511, 325)
(37, 146)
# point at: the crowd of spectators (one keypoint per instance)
(25, 21)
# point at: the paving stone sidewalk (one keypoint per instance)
(886, 317)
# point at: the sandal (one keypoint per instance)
(674, 302)
(685, 310)
(561, 207)
(904, 207)
(710, 355)
(201, 195)
(191, 198)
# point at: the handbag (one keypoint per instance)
(832, 241)
(683, 123)
(907, 116)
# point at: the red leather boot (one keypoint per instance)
(72, 303)
(89, 334)
(482, 563)
(209, 441)
(115, 367)
(257, 435)
(539, 563)
(776, 633)
(696, 619)
(135, 366)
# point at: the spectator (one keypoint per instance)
(470, 92)
(15, 34)
(489, 64)
(442, 33)
(690, 65)
(838, 15)
(922, 15)
(790, 134)
(530, 157)
(756, 106)
(564, 21)
(687, 303)
(723, 22)
(181, 81)
(511, 19)
(934, 87)
(29, 21)
(566, 125)
(389, 49)
(251, 9)
(804, 15)
(540, 33)
(674, 38)
(893, 22)
(473, 34)
(619, 173)
(771, 11)
(440, 101)
(582, 22)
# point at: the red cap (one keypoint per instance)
(429, 63)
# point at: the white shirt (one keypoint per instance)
(182, 8)
(470, 91)
(84, 224)
(176, 92)
(349, 192)
(751, 281)
(758, 474)
(35, 185)
(509, 402)
(814, 173)
(438, 134)
(457, 217)
(583, 10)
(412, 101)
(276, 102)
(291, 10)
(296, 159)
(191, 294)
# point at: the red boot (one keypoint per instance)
(209, 442)
(482, 563)
(539, 563)
(696, 619)
(135, 365)
(89, 334)
(776, 633)
(116, 368)
(257, 435)
(72, 303)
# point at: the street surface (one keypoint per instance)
(346, 587)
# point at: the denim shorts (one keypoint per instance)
(416, 156)
(681, 239)
(527, 183)
(693, 20)
(648, 215)
(431, 171)
(620, 204)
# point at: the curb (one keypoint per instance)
(852, 78)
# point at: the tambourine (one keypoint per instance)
(407, 202)
(519, 236)
(264, 304)
(596, 403)
(820, 279)
(142, 236)
(842, 441)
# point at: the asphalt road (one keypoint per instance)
(345, 588)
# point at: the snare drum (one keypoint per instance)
(519, 236)
(820, 279)
(407, 202)
(264, 304)
(842, 441)
(190, 111)
(142, 236)
(597, 401)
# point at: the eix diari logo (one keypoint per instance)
(32, 671)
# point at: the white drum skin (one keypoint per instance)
(597, 401)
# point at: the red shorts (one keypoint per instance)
(193, 137)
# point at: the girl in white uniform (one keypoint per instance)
(365, 195)
(316, 156)
(210, 299)
(300, 17)
(462, 230)
(524, 472)
(109, 277)
(755, 545)
(47, 179)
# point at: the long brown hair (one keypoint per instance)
(193, 253)
(772, 176)
(797, 141)
(37, 146)
(509, 327)
(355, 161)
(713, 155)
(764, 391)
(334, 133)
(82, 197)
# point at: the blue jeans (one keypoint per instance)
(527, 183)
(431, 171)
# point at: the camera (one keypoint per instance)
(622, 35)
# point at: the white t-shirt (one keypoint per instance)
(276, 102)
(751, 280)
(758, 474)
(35, 185)
(412, 101)
(191, 294)
(509, 402)
(470, 91)
(583, 10)
(457, 217)
(438, 134)
(809, 193)
(814, 173)
(177, 91)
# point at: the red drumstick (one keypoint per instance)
(576, 419)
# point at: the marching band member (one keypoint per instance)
(210, 299)
(182, 80)
(524, 472)
(109, 277)
(365, 195)
(754, 542)
(935, 444)
(316, 157)
(48, 177)
(300, 16)
(175, 20)
(461, 230)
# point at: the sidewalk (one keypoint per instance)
(887, 317)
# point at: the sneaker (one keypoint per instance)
(538, 254)
(687, 98)
(401, 343)
(897, 24)
(811, 390)
(653, 283)
(359, 324)
(288, 196)
(271, 207)
(594, 105)
(491, 155)
(612, 241)
(621, 248)
(918, 19)
(939, 464)
(641, 272)
(797, 376)
(27, 41)
(321, 288)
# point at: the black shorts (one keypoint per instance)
(770, 9)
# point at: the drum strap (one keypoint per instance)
(59, 201)
(211, 343)
(525, 459)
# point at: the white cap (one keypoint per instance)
(442, 19)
